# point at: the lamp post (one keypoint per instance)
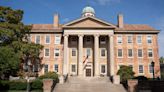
(152, 64)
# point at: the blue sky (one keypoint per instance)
(149, 12)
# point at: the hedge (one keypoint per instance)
(20, 85)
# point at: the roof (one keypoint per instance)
(136, 27)
(45, 28)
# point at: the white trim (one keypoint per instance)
(151, 39)
(105, 69)
(71, 72)
(131, 38)
(45, 52)
(139, 69)
(44, 68)
(137, 39)
(149, 68)
(105, 53)
(58, 68)
(148, 52)
(122, 53)
(49, 39)
(90, 52)
(121, 39)
(56, 52)
(55, 41)
(142, 52)
(39, 38)
(128, 53)
(75, 52)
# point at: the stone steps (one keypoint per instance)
(88, 85)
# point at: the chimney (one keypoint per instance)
(120, 21)
(56, 20)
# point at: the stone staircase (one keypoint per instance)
(94, 84)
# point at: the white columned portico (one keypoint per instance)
(96, 54)
(66, 61)
(80, 70)
(111, 55)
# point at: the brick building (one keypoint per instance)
(89, 46)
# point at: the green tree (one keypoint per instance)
(15, 50)
(161, 60)
(125, 73)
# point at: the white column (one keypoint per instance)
(96, 55)
(80, 70)
(65, 64)
(111, 56)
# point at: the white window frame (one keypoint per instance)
(39, 39)
(130, 39)
(117, 53)
(57, 68)
(151, 52)
(101, 69)
(57, 39)
(47, 68)
(55, 51)
(45, 52)
(138, 39)
(151, 39)
(139, 69)
(46, 39)
(128, 53)
(149, 68)
(72, 52)
(101, 52)
(75, 68)
(101, 41)
(119, 39)
(138, 53)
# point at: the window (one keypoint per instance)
(103, 70)
(150, 52)
(149, 39)
(88, 52)
(130, 53)
(73, 68)
(88, 39)
(57, 39)
(103, 52)
(119, 39)
(139, 52)
(57, 52)
(56, 67)
(150, 69)
(102, 40)
(47, 39)
(45, 68)
(139, 39)
(46, 52)
(37, 39)
(73, 52)
(130, 40)
(140, 68)
(73, 39)
(119, 52)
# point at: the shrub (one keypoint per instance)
(36, 84)
(125, 73)
(4, 85)
(50, 75)
(141, 78)
(17, 85)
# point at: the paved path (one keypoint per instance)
(88, 85)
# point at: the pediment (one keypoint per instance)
(88, 22)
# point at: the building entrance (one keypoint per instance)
(88, 72)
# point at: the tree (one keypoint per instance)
(161, 60)
(125, 73)
(15, 50)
